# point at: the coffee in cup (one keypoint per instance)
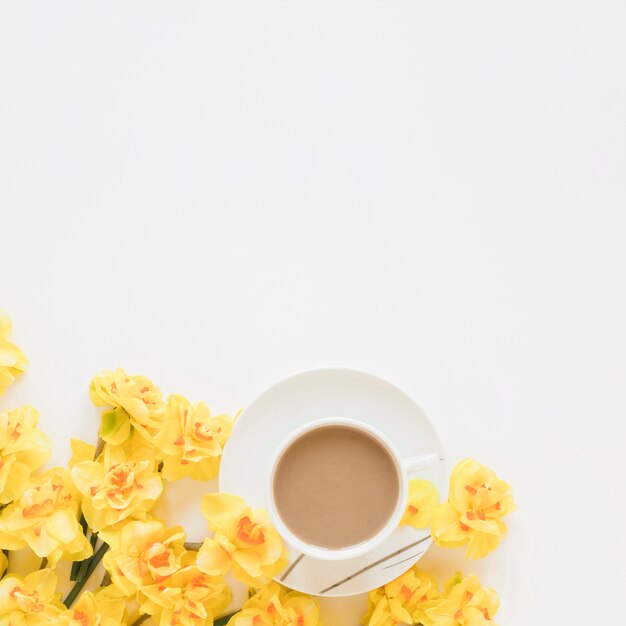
(335, 486)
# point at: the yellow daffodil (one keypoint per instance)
(191, 439)
(30, 601)
(45, 518)
(12, 359)
(23, 449)
(477, 502)
(143, 553)
(188, 597)
(466, 603)
(244, 540)
(136, 403)
(94, 610)
(404, 600)
(273, 605)
(121, 484)
(423, 498)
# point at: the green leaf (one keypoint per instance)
(115, 426)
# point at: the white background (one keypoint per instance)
(220, 194)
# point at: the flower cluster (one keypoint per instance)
(148, 562)
(244, 541)
(45, 518)
(465, 602)
(191, 440)
(23, 449)
(142, 554)
(30, 601)
(477, 502)
(414, 598)
(185, 436)
(136, 403)
(12, 359)
(121, 483)
(403, 600)
(274, 605)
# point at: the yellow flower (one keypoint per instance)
(81, 451)
(244, 540)
(423, 499)
(477, 502)
(121, 484)
(143, 553)
(30, 601)
(273, 605)
(403, 600)
(12, 359)
(46, 519)
(466, 603)
(187, 598)
(191, 440)
(4, 564)
(23, 449)
(94, 610)
(136, 403)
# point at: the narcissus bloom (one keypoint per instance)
(191, 439)
(274, 605)
(477, 502)
(12, 359)
(45, 518)
(30, 601)
(244, 540)
(121, 484)
(423, 498)
(94, 610)
(136, 403)
(23, 449)
(143, 553)
(187, 598)
(404, 600)
(466, 603)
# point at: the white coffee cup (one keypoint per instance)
(404, 468)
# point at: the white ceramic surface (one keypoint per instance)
(316, 394)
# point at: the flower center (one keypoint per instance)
(249, 533)
(28, 601)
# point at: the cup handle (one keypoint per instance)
(418, 463)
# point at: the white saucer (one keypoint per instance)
(308, 396)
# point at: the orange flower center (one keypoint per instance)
(405, 593)
(201, 431)
(249, 533)
(28, 601)
(80, 617)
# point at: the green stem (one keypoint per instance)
(93, 563)
(76, 564)
(44, 563)
(222, 621)
(6, 553)
(84, 565)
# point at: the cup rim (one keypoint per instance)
(356, 549)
